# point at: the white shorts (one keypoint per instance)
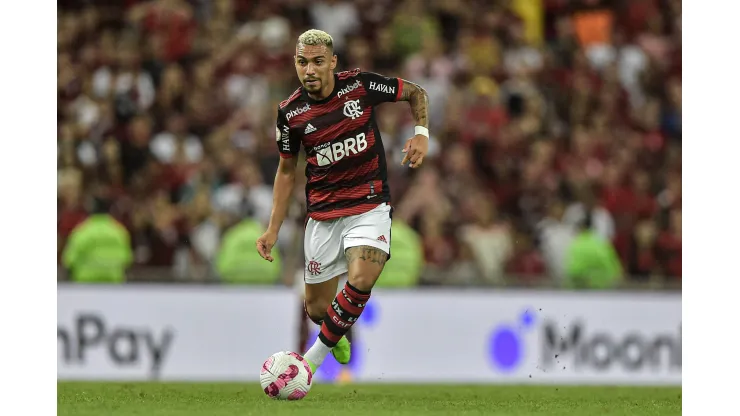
(300, 284)
(325, 241)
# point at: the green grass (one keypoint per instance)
(171, 399)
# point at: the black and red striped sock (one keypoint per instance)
(343, 312)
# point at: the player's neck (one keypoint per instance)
(326, 91)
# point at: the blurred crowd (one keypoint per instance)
(545, 115)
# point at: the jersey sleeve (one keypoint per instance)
(288, 142)
(381, 89)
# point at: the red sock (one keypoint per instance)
(342, 314)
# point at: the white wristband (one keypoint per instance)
(421, 130)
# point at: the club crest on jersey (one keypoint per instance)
(382, 88)
(352, 109)
(298, 111)
(348, 89)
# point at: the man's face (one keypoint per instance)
(314, 66)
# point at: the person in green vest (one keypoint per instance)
(411, 26)
(238, 262)
(407, 258)
(591, 261)
(98, 249)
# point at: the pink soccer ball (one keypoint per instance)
(286, 375)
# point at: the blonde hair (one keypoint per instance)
(315, 37)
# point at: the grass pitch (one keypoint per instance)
(175, 399)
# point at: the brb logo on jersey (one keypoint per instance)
(328, 153)
(348, 89)
(298, 111)
(352, 109)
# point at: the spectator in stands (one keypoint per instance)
(591, 261)
(237, 263)
(339, 18)
(669, 244)
(70, 209)
(247, 195)
(643, 261)
(526, 265)
(586, 208)
(489, 238)
(176, 143)
(408, 256)
(555, 237)
(99, 248)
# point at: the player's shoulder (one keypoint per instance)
(357, 73)
(293, 98)
(346, 75)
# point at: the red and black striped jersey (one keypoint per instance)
(346, 168)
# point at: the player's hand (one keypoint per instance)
(265, 244)
(415, 150)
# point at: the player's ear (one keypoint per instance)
(333, 62)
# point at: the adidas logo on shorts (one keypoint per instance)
(309, 129)
(382, 238)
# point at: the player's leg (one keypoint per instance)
(325, 263)
(303, 325)
(318, 299)
(367, 247)
(342, 351)
(303, 328)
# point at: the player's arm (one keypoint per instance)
(418, 100)
(382, 89)
(418, 146)
(282, 192)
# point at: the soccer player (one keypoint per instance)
(349, 216)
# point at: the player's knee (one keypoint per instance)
(363, 280)
(316, 310)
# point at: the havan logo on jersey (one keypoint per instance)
(284, 136)
(349, 88)
(376, 86)
(329, 153)
(298, 111)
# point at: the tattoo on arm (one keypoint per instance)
(366, 253)
(418, 100)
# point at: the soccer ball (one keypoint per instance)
(286, 375)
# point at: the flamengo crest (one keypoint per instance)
(352, 109)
